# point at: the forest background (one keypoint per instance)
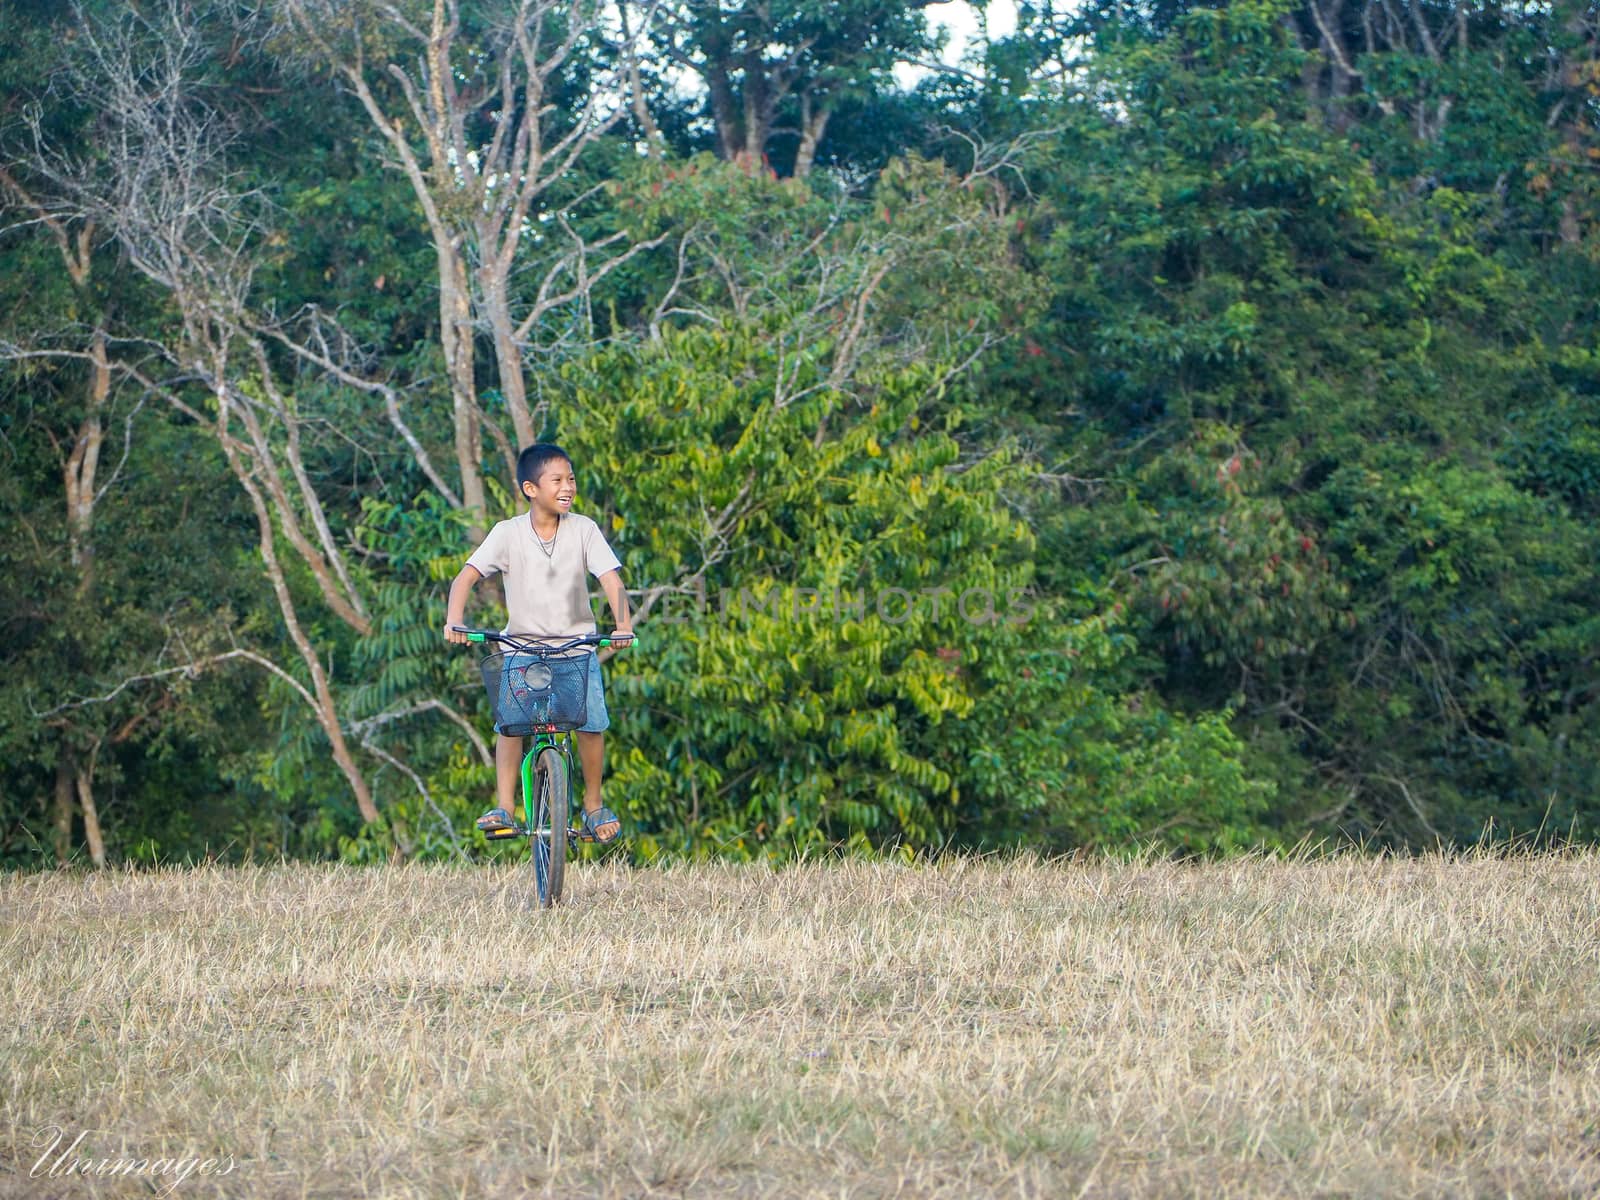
(1167, 425)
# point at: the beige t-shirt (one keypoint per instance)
(547, 595)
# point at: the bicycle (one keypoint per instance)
(540, 689)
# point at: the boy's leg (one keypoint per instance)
(592, 755)
(508, 772)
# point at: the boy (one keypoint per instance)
(547, 557)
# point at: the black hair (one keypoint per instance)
(532, 462)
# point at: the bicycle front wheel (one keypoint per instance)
(551, 809)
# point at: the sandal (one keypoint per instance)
(592, 821)
(497, 823)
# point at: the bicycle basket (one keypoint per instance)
(528, 690)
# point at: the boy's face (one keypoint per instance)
(556, 486)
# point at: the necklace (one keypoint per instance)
(549, 547)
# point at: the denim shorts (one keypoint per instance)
(594, 706)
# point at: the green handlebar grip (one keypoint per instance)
(474, 637)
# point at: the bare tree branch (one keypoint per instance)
(384, 756)
(189, 670)
(482, 199)
(431, 704)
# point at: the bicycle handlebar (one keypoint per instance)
(554, 646)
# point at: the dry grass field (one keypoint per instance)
(1004, 1027)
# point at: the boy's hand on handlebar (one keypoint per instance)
(455, 633)
(621, 637)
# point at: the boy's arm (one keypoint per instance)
(617, 597)
(455, 609)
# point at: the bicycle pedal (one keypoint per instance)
(499, 835)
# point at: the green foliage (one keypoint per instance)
(923, 267)
(1212, 465)
(1232, 579)
(841, 634)
(1315, 416)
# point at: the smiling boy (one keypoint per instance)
(547, 556)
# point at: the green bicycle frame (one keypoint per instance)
(561, 742)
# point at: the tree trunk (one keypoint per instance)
(63, 808)
(327, 563)
(455, 339)
(84, 777)
(508, 354)
(327, 711)
(653, 141)
(756, 113)
(321, 695)
(83, 465)
(813, 124)
(724, 110)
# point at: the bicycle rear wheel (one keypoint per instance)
(551, 810)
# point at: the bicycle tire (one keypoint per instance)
(552, 810)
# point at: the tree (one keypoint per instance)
(1263, 365)
(775, 72)
(859, 654)
(489, 110)
(67, 352)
